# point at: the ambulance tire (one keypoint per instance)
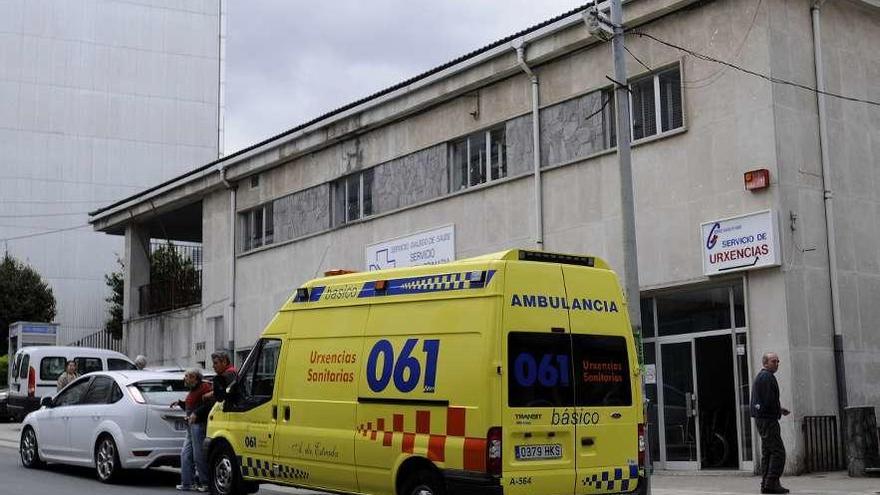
(224, 472)
(424, 482)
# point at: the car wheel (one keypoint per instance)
(225, 472)
(107, 463)
(30, 453)
(424, 482)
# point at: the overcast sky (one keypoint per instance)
(289, 61)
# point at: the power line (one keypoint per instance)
(633, 55)
(68, 181)
(40, 215)
(772, 79)
(597, 112)
(715, 76)
(47, 232)
(54, 201)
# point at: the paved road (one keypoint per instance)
(64, 480)
(67, 480)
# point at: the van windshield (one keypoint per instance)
(564, 370)
(16, 365)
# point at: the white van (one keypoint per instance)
(35, 370)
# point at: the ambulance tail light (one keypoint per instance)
(642, 444)
(493, 451)
(32, 381)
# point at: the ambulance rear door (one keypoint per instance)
(605, 413)
(538, 449)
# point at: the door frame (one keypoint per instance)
(661, 414)
(741, 422)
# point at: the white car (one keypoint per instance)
(113, 421)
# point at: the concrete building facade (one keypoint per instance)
(454, 149)
(99, 99)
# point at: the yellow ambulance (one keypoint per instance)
(510, 373)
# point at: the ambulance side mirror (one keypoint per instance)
(233, 392)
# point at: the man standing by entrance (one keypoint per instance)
(767, 411)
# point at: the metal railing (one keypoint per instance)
(822, 444)
(183, 290)
(175, 277)
(101, 340)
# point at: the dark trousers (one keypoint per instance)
(772, 450)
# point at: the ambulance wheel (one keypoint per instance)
(424, 482)
(225, 473)
(30, 454)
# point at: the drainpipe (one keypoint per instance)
(232, 205)
(840, 369)
(519, 46)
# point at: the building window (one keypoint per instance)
(478, 158)
(258, 226)
(656, 103)
(609, 119)
(352, 197)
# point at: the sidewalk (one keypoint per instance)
(738, 483)
(664, 482)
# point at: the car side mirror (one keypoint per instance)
(47, 402)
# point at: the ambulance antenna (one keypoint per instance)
(321, 263)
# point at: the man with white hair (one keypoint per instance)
(767, 411)
(193, 465)
(140, 361)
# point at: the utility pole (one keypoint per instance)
(627, 203)
(599, 25)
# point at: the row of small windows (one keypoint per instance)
(570, 130)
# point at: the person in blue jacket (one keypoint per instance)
(767, 410)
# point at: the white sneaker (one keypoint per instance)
(184, 488)
(201, 488)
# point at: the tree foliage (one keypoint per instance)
(114, 281)
(24, 296)
(174, 282)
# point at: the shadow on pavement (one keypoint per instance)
(140, 477)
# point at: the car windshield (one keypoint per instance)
(162, 392)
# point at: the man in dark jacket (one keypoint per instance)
(767, 411)
(225, 375)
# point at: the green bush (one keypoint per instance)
(4, 369)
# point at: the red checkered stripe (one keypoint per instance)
(454, 448)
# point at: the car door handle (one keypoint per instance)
(286, 413)
(274, 412)
(616, 415)
(587, 441)
(96, 418)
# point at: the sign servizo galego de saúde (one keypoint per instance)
(740, 243)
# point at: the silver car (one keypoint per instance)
(112, 421)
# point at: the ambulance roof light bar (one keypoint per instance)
(566, 259)
(338, 271)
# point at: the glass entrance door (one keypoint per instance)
(680, 418)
